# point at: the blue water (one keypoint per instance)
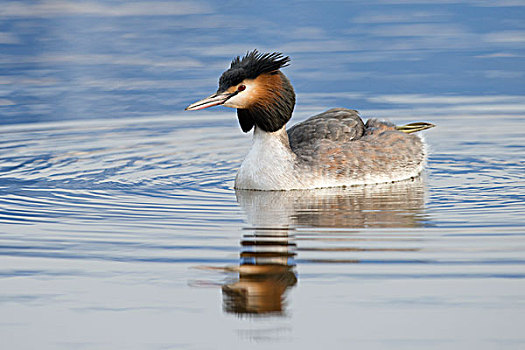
(120, 228)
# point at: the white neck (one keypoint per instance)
(269, 164)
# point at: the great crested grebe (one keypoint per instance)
(334, 148)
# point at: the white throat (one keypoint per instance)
(269, 163)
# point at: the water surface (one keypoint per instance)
(120, 227)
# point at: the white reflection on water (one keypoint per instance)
(267, 267)
(50, 8)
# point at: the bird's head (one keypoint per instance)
(255, 86)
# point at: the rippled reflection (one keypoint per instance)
(266, 271)
(267, 267)
(399, 204)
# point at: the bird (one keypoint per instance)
(332, 149)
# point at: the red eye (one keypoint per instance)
(241, 88)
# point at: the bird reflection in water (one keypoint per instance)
(267, 268)
(266, 271)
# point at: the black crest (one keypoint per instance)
(251, 66)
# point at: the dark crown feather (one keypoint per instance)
(251, 66)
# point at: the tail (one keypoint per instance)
(414, 127)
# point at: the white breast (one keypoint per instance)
(269, 164)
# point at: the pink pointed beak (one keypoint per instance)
(210, 101)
